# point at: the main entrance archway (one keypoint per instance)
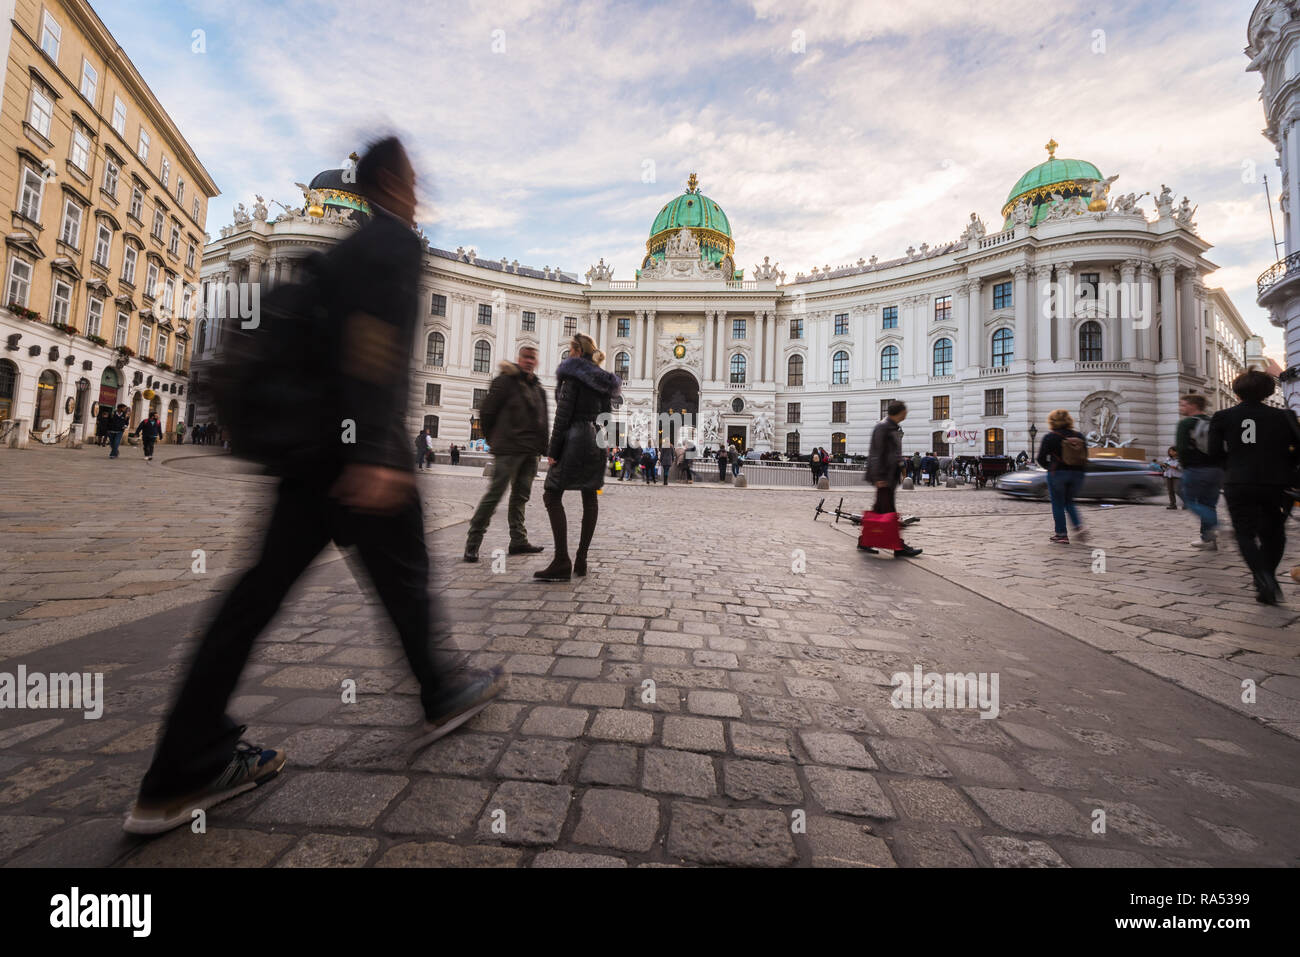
(679, 400)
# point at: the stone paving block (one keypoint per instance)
(622, 820)
(305, 710)
(679, 772)
(535, 759)
(438, 807)
(849, 792)
(461, 753)
(577, 668)
(612, 764)
(748, 838)
(1013, 852)
(782, 711)
(845, 844)
(932, 802)
(19, 830)
(599, 694)
(1130, 820)
(329, 850)
(977, 765)
(94, 843)
(533, 813)
(760, 780)
(329, 799)
(219, 847)
(832, 747)
(925, 848)
(498, 717)
(569, 859)
(761, 741)
(1032, 737)
(619, 724)
(1092, 855)
(437, 854)
(555, 722)
(312, 746)
(1029, 812)
(905, 758)
(693, 734)
(34, 778)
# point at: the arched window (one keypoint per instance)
(47, 393)
(1090, 342)
(794, 371)
(622, 365)
(939, 442)
(435, 349)
(792, 444)
(738, 368)
(1004, 347)
(993, 442)
(840, 368)
(431, 423)
(889, 364)
(943, 357)
(201, 337)
(482, 356)
(8, 388)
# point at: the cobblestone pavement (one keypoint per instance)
(768, 641)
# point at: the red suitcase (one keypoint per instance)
(880, 530)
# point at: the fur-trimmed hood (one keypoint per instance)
(509, 368)
(590, 375)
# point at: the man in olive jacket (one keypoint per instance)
(514, 420)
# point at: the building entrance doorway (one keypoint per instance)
(678, 405)
(736, 436)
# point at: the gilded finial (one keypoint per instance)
(693, 184)
(1051, 149)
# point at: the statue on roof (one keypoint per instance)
(259, 209)
(1099, 190)
(1165, 202)
(974, 229)
(1022, 213)
(1183, 217)
(241, 215)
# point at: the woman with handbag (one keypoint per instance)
(583, 392)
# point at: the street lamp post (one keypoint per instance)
(1033, 435)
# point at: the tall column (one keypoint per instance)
(720, 363)
(1202, 332)
(707, 372)
(1145, 310)
(1021, 294)
(975, 322)
(604, 331)
(1044, 309)
(1168, 310)
(961, 312)
(1188, 319)
(638, 344)
(759, 335)
(1127, 311)
(1065, 311)
(770, 349)
(648, 362)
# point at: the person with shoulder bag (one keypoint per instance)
(1064, 453)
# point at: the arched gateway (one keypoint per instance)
(679, 402)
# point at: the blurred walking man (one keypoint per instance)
(514, 421)
(359, 493)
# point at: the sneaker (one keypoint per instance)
(1060, 539)
(1208, 544)
(471, 692)
(250, 767)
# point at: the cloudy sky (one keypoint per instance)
(829, 130)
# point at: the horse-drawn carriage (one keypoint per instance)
(983, 469)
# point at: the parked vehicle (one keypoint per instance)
(1105, 478)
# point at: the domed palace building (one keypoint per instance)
(1079, 299)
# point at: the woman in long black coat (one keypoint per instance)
(577, 461)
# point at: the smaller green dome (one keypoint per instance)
(1053, 171)
(691, 210)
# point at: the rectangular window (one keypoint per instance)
(151, 281)
(162, 347)
(737, 328)
(136, 210)
(70, 233)
(1088, 285)
(80, 151)
(942, 308)
(103, 244)
(190, 253)
(484, 314)
(438, 305)
(624, 328)
(111, 173)
(842, 326)
(119, 335)
(792, 412)
(889, 317)
(570, 325)
(196, 210)
(169, 295)
(186, 297)
(142, 145)
(20, 282)
(51, 36)
(129, 254)
(158, 220)
(180, 191)
(839, 411)
(993, 402)
(166, 170)
(479, 396)
(119, 115)
(179, 363)
(33, 187)
(41, 112)
(94, 315)
(89, 80)
(796, 328)
(146, 337)
(1002, 295)
(939, 408)
(884, 407)
(432, 393)
(528, 322)
(174, 244)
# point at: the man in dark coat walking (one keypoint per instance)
(883, 465)
(514, 421)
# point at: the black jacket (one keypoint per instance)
(1049, 451)
(118, 421)
(514, 413)
(149, 429)
(885, 453)
(1273, 456)
(584, 392)
(374, 297)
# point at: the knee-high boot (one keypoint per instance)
(560, 569)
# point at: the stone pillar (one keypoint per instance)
(604, 332)
(975, 323)
(965, 345)
(720, 356)
(1202, 333)
(648, 363)
(1065, 311)
(1188, 319)
(1127, 311)
(1043, 313)
(770, 348)
(1021, 294)
(638, 345)
(707, 371)
(1145, 311)
(1168, 310)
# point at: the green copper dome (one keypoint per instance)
(694, 210)
(1069, 177)
(704, 218)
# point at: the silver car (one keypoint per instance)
(1122, 479)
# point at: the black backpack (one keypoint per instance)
(272, 383)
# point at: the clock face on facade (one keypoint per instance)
(679, 351)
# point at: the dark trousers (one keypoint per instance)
(1259, 514)
(722, 470)
(148, 447)
(114, 441)
(199, 737)
(686, 470)
(515, 472)
(884, 500)
(667, 466)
